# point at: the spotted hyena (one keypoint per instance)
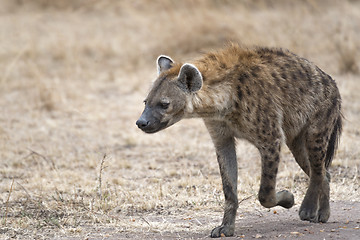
(266, 96)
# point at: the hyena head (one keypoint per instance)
(170, 95)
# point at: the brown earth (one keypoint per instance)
(275, 224)
(73, 75)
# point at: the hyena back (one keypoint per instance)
(266, 96)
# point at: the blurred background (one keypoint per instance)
(74, 73)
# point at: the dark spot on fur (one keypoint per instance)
(293, 76)
(270, 164)
(222, 65)
(248, 91)
(272, 150)
(318, 114)
(319, 135)
(239, 92)
(325, 81)
(301, 90)
(301, 74)
(316, 102)
(310, 84)
(258, 118)
(280, 52)
(248, 109)
(306, 70)
(283, 75)
(243, 77)
(268, 58)
(322, 154)
(334, 101)
(236, 105)
(255, 71)
(287, 65)
(266, 122)
(317, 165)
(212, 56)
(316, 149)
(277, 81)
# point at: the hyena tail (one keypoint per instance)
(334, 141)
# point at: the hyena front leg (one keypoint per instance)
(226, 155)
(268, 197)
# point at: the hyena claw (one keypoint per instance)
(222, 231)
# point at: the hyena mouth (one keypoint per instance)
(154, 127)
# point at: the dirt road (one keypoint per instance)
(344, 223)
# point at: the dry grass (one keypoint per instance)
(73, 77)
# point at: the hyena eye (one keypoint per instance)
(164, 104)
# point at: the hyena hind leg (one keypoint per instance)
(298, 149)
(300, 152)
(315, 206)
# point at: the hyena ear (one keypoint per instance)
(163, 63)
(190, 78)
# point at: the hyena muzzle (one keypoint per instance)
(266, 96)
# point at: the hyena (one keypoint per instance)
(267, 96)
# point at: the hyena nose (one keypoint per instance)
(141, 123)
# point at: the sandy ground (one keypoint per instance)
(275, 224)
(73, 75)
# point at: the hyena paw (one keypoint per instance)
(308, 213)
(323, 216)
(285, 199)
(313, 216)
(223, 230)
(323, 213)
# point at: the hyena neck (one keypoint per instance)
(210, 102)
